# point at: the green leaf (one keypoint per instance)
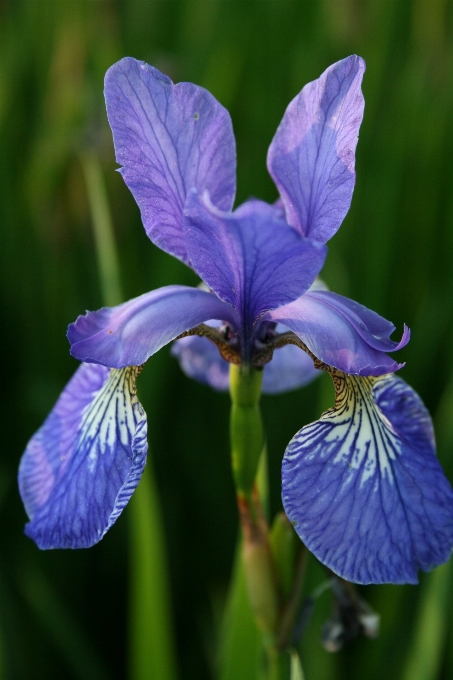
(106, 251)
(296, 666)
(425, 653)
(240, 648)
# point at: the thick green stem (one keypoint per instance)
(247, 441)
(246, 427)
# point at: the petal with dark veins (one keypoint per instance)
(363, 485)
(81, 467)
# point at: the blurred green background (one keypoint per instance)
(65, 614)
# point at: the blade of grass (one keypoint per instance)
(296, 666)
(107, 258)
(151, 643)
(425, 653)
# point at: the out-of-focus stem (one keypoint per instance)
(291, 607)
(103, 230)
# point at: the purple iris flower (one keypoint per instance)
(362, 485)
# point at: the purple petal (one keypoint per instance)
(129, 334)
(371, 327)
(81, 467)
(250, 258)
(289, 369)
(364, 488)
(200, 360)
(341, 332)
(168, 138)
(312, 156)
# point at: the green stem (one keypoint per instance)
(293, 603)
(247, 442)
(246, 427)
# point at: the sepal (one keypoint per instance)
(364, 488)
(81, 467)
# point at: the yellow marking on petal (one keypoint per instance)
(226, 351)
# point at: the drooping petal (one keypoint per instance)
(341, 332)
(364, 488)
(168, 138)
(200, 360)
(81, 467)
(129, 334)
(250, 258)
(312, 156)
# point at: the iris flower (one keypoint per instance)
(362, 485)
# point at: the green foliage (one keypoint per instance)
(65, 614)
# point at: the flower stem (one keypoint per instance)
(246, 427)
(247, 441)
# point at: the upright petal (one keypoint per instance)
(250, 258)
(363, 485)
(168, 138)
(129, 334)
(342, 333)
(312, 156)
(81, 467)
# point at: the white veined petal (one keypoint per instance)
(80, 469)
(363, 485)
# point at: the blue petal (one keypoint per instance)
(129, 334)
(312, 155)
(289, 369)
(81, 467)
(250, 258)
(341, 332)
(200, 360)
(363, 485)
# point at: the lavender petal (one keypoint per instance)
(250, 258)
(200, 360)
(129, 334)
(312, 156)
(341, 332)
(168, 138)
